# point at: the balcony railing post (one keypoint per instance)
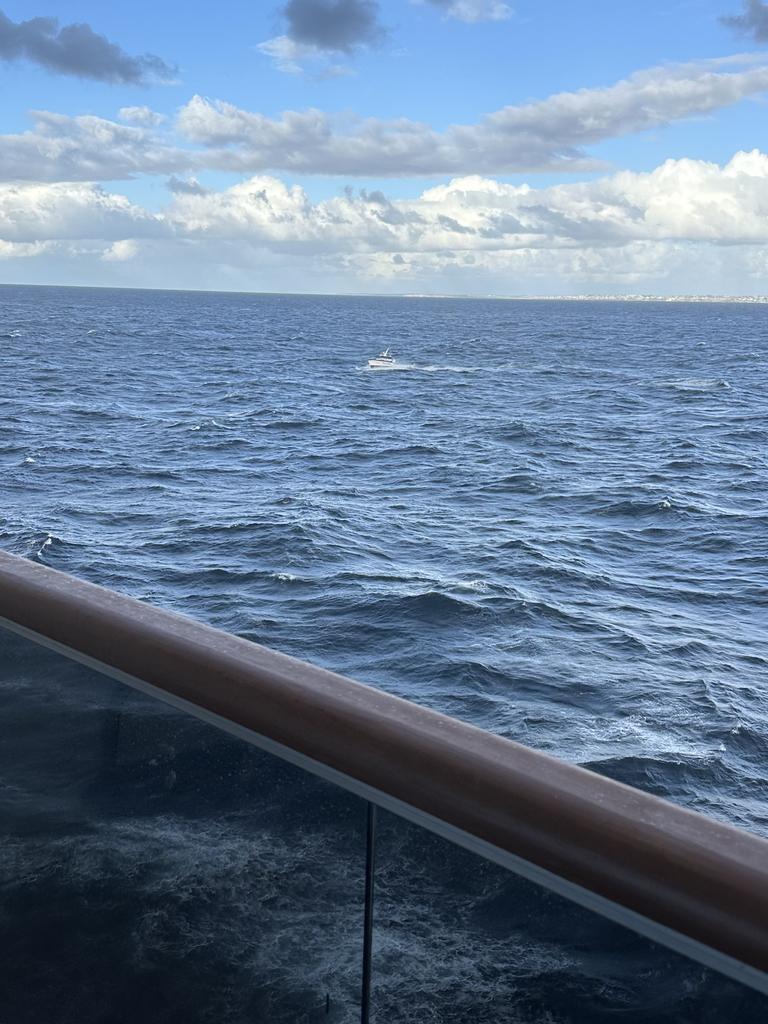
(370, 868)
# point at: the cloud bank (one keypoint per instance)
(471, 234)
(544, 135)
(77, 50)
(548, 135)
(682, 200)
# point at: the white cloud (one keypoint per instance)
(144, 116)
(86, 148)
(692, 200)
(121, 251)
(288, 55)
(46, 212)
(547, 134)
(676, 227)
(20, 250)
(302, 58)
(473, 10)
(682, 200)
(176, 185)
(550, 134)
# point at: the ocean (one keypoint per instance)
(548, 520)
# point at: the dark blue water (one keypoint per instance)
(550, 520)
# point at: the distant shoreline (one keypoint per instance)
(760, 299)
(753, 299)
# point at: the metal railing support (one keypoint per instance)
(370, 870)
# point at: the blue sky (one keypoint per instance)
(629, 180)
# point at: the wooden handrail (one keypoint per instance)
(684, 873)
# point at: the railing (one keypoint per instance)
(679, 878)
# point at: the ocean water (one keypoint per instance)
(549, 520)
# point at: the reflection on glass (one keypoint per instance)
(460, 940)
(154, 868)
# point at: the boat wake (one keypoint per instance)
(389, 367)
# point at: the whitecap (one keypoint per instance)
(47, 543)
(697, 384)
(474, 585)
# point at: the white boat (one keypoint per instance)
(383, 361)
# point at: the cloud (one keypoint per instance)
(266, 210)
(338, 26)
(319, 29)
(544, 135)
(753, 22)
(144, 116)
(288, 55)
(553, 134)
(121, 251)
(45, 213)
(682, 200)
(473, 10)
(86, 148)
(186, 186)
(77, 50)
(693, 224)
(294, 58)
(22, 250)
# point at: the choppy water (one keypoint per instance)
(550, 521)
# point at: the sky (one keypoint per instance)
(449, 147)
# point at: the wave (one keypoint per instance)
(518, 430)
(697, 384)
(432, 368)
(636, 508)
(42, 549)
(667, 774)
(514, 483)
(429, 606)
(210, 423)
(296, 423)
(194, 912)
(421, 367)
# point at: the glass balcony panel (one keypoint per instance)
(154, 868)
(459, 939)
